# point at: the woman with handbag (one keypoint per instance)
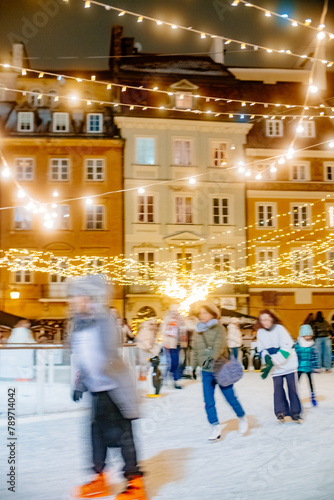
(208, 345)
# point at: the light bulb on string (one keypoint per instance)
(273, 169)
(192, 180)
(281, 161)
(290, 153)
(48, 224)
(141, 191)
(321, 35)
(331, 144)
(54, 205)
(300, 129)
(21, 194)
(122, 13)
(87, 4)
(248, 173)
(88, 201)
(258, 177)
(313, 89)
(55, 194)
(6, 172)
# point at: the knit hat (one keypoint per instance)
(305, 330)
(92, 285)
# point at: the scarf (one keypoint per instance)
(305, 343)
(203, 327)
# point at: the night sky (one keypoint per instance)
(73, 37)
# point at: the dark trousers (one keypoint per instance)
(234, 351)
(309, 376)
(281, 405)
(111, 429)
(174, 362)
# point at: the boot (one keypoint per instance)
(215, 433)
(134, 490)
(281, 418)
(98, 488)
(313, 399)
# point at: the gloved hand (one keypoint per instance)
(77, 395)
(269, 364)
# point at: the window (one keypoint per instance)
(36, 98)
(60, 122)
(62, 217)
(60, 169)
(330, 215)
(265, 169)
(183, 100)
(145, 150)
(266, 215)
(22, 219)
(145, 209)
(24, 169)
(58, 278)
(274, 128)
(218, 154)
(301, 215)
(330, 264)
(25, 121)
(182, 152)
(95, 217)
(308, 129)
(329, 171)
(184, 210)
(146, 261)
(94, 169)
(301, 261)
(221, 211)
(184, 261)
(265, 258)
(222, 262)
(96, 265)
(50, 98)
(300, 172)
(23, 276)
(94, 122)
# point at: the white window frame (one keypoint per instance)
(60, 280)
(146, 205)
(24, 176)
(63, 219)
(178, 259)
(185, 162)
(222, 254)
(274, 128)
(95, 221)
(23, 225)
(222, 153)
(33, 98)
(301, 207)
(266, 224)
(330, 215)
(94, 168)
(53, 162)
(88, 117)
(59, 115)
(148, 271)
(308, 129)
(221, 215)
(266, 273)
(299, 164)
(309, 262)
(138, 137)
(330, 269)
(23, 121)
(327, 165)
(264, 170)
(184, 213)
(23, 274)
(185, 102)
(50, 98)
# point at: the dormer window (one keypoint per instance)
(25, 121)
(36, 98)
(183, 100)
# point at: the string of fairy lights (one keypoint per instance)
(204, 34)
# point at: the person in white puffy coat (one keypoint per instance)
(275, 345)
(234, 336)
(146, 345)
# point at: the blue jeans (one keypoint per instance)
(209, 385)
(174, 366)
(234, 351)
(324, 347)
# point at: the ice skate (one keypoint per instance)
(243, 425)
(297, 419)
(313, 399)
(281, 418)
(134, 491)
(215, 433)
(177, 386)
(98, 488)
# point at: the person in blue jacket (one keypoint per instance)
(307, 356)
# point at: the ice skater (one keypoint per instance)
(276, 348)
(101, 371)
(208, 344)
(307, 357)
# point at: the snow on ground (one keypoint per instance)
(272, 461)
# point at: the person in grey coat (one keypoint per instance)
(101, 371)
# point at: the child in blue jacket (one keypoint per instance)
(307, 356)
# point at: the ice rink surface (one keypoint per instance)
(271, 462)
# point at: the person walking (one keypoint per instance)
(101, 371)
(275, 345)
(234, 336)
(322, 334)
(307, 356)
(173, 330)
(146, 345)
(208, 344)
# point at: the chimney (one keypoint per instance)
(217, 50)
(115, 46)
(127, 46)
(18, 53)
